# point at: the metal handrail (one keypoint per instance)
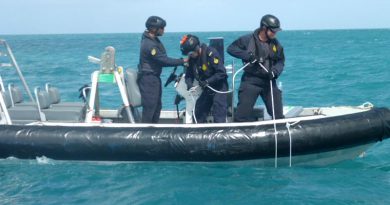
(16, 66)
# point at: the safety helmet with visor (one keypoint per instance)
(155, 22)
(270, 22)
(189, 43)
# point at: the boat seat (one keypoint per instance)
(25, 112)
(60, 114)
(133, 94)
(20, 114)
(132, 88)
(55, 98)
(16, 96)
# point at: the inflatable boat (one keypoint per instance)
(58, 130)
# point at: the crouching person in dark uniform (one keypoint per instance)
(152, 58)
(206, 67)
(260, 47)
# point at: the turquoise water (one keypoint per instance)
(323, 68)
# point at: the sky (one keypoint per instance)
(129, 16)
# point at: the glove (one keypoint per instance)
(203, 83)
(272, 75)
(252, 58)
(185, 62)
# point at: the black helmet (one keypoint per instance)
(271, 22)
(189, 43)
(155, 22)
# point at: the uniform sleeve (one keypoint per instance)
(162, 59)
(220, 71)
(238, 48)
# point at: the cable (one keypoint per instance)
(193, 99)
(211, 88)
(239, 70)
(234, 77)
(217, 91)
(289, 135)
(273, 116)
(288, 125)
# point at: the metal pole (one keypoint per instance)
(233, 89)
(92, 97)
(5, 110)
(125, 99)
(15, 64)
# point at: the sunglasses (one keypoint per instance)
(274, 30)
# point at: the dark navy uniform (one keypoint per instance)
(152, 58)
(208, 67)
(256, 81)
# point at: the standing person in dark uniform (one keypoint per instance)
(260, 47)
(152, 58)
(206, 67)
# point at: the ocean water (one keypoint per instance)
(323, 68)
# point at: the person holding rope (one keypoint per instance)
(206, 67)
(264, 56)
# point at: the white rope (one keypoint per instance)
(276, 132)
(288, 125)
(239, 70)
(211, 88)
(273, 117)
(217, 91)
(234, 77)
(193, 99)
(289, 135)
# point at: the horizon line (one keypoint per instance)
(87, 33)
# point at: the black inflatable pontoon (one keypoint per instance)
(202, 142)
